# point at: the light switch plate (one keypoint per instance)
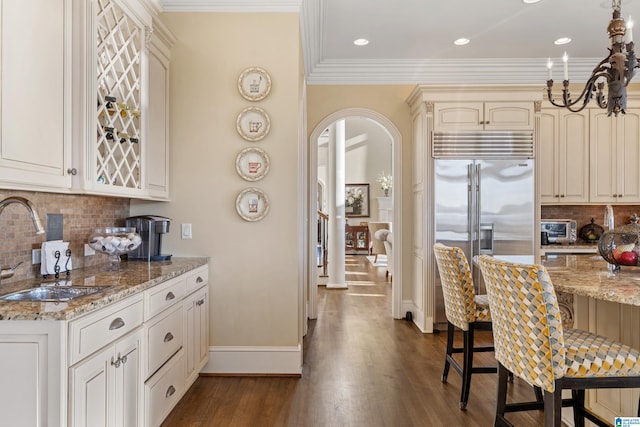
(35, 256)
(186, 231)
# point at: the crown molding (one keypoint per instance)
(231, 5)
(442, 71)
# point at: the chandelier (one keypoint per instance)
(616, 70)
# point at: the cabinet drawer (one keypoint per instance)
(164, 338)
(92, 332)
(197, 278)
(164, 295)
(164, 390)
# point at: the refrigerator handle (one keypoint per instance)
(478, 209)
(470, 208)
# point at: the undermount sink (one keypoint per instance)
(52, 293)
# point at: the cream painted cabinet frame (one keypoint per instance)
(614, 157)
(157, 147)
(483, 116)
(564, 156)
(111, 48)
(35, 97)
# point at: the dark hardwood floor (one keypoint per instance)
(361, 368)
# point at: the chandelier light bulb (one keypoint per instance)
(629, 30)
(549, 67)
(565, 60)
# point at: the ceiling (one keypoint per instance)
(411, 41)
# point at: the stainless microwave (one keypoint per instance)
(559, 230)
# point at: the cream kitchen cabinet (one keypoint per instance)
(112, 47)
(106, 388)
(35, 97)
(123, 364)
(614, 157)
(564, 156)
(196, 334)
(483, 116)
(157, 147)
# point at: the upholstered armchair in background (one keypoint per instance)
(376, 247)
(386, 237)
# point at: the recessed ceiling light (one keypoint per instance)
(562, 40)
(361, 42)
(461, 42)
(530, 1)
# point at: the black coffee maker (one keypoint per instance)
(150, 228)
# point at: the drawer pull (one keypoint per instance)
(199, 280)
(170, 391)
(116, 324)
(168, 337)
(200, 302)
(169, 296)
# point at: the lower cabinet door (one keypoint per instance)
(196, 336)
(129, 384)
(106, 388)
(90, 384)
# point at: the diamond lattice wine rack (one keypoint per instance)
(119, 44)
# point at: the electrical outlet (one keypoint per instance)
(35, 256)
(186, 231)
(88, 250)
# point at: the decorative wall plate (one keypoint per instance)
(252, 164)
(254, 84)
(252, 204)
(253, 123)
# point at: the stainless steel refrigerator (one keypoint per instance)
(484, 197)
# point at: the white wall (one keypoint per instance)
(254, 279)
(368, 154)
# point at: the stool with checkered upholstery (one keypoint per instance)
(464, 310)
(530, 342)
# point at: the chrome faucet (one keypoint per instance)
(608, 217)
(610, 223)
(5, 271)
(27, 204)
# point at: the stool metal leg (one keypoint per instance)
(447, 364)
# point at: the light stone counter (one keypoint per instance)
(587, 275)
(132, 277)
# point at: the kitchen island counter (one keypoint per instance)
(131, 277)
(587, 275)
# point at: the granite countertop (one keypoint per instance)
(587, 275)
(130, 278)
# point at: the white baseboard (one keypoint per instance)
(425, 325)
(254, 360)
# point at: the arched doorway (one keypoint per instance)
(396, 139)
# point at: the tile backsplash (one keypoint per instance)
(81, 214)
(583, 213)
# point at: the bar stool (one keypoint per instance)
(530, 343)
(464, 310)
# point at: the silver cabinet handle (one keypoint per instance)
(116, 324)
(200, 302)
(170, 391)
(72, 171)
(169, 296)
(199, 280)
(116, 362)
(168, 337)
(124, 359)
